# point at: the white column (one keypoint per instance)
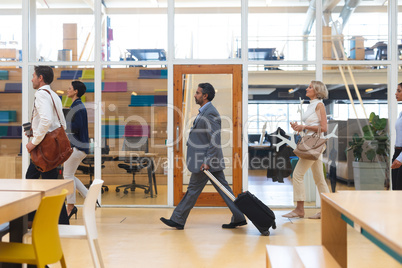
(392, 72)
(244, 60)
(170, 125)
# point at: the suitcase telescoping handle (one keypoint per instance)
(215, 180)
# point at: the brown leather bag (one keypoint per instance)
(54, 149)
(311, 146)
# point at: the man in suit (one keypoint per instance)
(204, 152)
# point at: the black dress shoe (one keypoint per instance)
(173, 224)
(233, 225)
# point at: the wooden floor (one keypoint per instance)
(135, 237)
(274, 194)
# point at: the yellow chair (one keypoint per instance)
(46, 246)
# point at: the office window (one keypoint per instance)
(206, 30)
(11, 36)
(279, 36)
(64, 37)
(135, 31)
(361, 36)
(134, 130)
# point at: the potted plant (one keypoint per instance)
(373, 173)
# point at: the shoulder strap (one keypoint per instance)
(54, 105)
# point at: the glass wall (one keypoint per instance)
(63, 76)
(64, 36)
(11, 36)
(356, 94)
(207, 30)
(281, 34)
(355, 35)
(135, 31)
(134, 130)
(10, 121)
(282, 60)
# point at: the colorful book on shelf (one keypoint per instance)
(70, 74)
(141, 100)
(160, 100)
(137, 131)
(148, 100)
(3, 75)
(10, 132)
(153, 74)
(115, 87)
(13, 88)
(90, 75)
(112, 131)
(8, 116)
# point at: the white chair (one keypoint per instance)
(88, 230)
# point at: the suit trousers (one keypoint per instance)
(396, 173)
(33, 173)
(70, 167)
(195, 187)
(299, 193)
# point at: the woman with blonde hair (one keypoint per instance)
(315, 121)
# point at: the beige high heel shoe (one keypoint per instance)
(292, 214)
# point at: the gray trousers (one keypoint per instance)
(195, 187)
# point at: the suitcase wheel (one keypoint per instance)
(274, 226)
(266, 233)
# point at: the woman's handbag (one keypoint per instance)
(54, 149)
(310, 146)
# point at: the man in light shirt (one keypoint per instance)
(44, 120)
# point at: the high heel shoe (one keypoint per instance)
(73, 211)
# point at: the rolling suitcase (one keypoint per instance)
(256, 211)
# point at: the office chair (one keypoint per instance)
(88, 230)
(89, 169)
(46, 246)
(135, 163)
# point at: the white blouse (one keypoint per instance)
(310, 117)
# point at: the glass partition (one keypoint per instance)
(134, 130)
(10, 121)
(11, 31)
(63, 76)
(352, 34)
(206, 30)
(136, 31)
(356, 105)
(222, 101)
(280, 34)
(65, 33)
(275, 98)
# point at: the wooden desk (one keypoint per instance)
(15, 204)
(376, 214)
(45, 187)
(34, 191)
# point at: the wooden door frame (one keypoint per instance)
(208, 199)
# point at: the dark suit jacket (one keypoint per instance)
(204, 142)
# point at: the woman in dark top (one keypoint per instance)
(77, 129)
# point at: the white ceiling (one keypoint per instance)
(57, 4)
